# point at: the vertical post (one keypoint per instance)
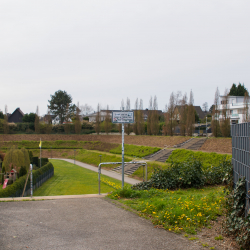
(40, 153)
(31, 182)
(143, 171)
(100, 158)
(99, 178)
(74, 156)
(122, 155)
(206, 125)
(146, 172)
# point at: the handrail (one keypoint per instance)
(114, 163)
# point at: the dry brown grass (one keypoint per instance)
(218, 145)
(153, 141)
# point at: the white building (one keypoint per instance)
(235, 107)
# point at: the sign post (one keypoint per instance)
(123, 117)
(31, 182)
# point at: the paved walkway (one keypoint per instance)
(112, 174)
(83, 224)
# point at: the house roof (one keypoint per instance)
(198, 110)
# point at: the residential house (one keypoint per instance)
(16, 116)
(198, 110)
(103, 114)
(235, 107)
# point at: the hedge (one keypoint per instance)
(20, 182)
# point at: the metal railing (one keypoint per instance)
(115, 163)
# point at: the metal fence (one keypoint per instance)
(39, 181)
(240, 155)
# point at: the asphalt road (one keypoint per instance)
(81, 223)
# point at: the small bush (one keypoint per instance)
(178, 175)
(187, 174)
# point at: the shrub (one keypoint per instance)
(178, 175)
(22, 171)
(187, 174)
(35, 161)
(236, 224)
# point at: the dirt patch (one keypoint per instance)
(219, 145)
(207, 236)
(153, 141)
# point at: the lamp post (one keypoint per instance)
(206, 124)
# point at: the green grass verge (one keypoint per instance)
(93, 157)
(207, 159)
(179, 211)
(70, 179)
(133, 150)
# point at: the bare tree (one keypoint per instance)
(128, 125)
(107, 122)
(170, 116)
(5, 123)
(86, 109)
(135, 125)
(140, 124)
(190, 115)
(67, 120)
(215, 116)
(149, 120)
(225, 119)
(49, 124)
(155, 118)
(37, 123)
(205, 106)
(183, 115)
(98, 120)
(78, 125)
(246, 115)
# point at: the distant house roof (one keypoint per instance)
(198, 110)
(16, 116)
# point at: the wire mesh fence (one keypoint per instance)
(38, 182)
(240, 155)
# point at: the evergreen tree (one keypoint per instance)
(240, 90)
(233, 91)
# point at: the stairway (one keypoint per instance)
(161, 155)
(128, 168)
(194, 144)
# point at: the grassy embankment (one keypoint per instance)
(179, 211)
(70, 179)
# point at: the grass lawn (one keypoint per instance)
(70, 179)
(183, 210)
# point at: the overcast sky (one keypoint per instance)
(105, 51)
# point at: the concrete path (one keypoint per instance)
(104, 172)
(85, 224)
